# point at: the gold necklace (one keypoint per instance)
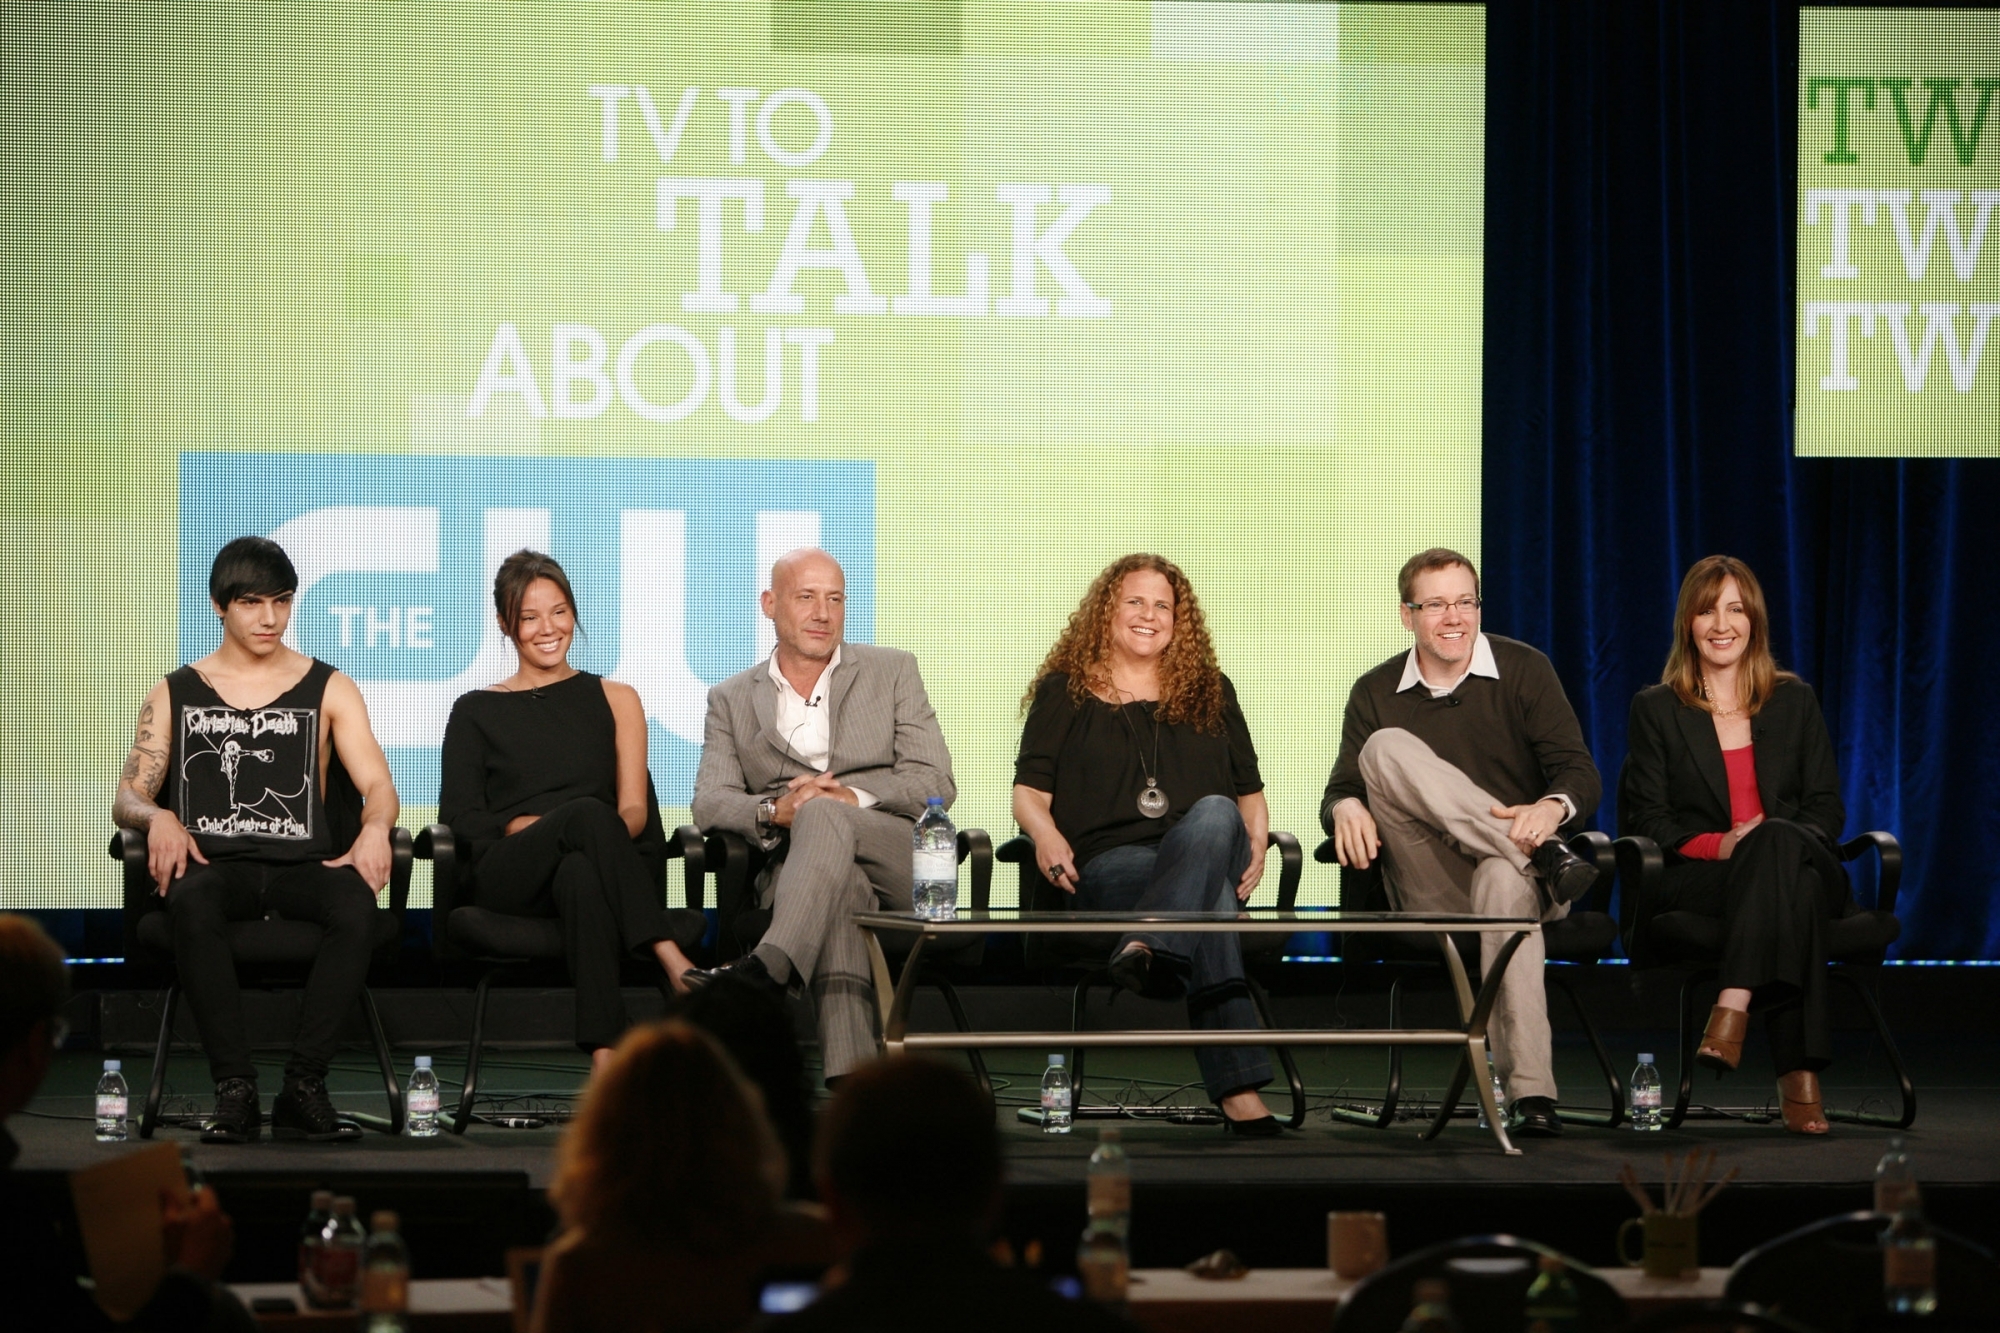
(1709, 699)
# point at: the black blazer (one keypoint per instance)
(1675, 784)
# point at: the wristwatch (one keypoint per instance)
(767, 815)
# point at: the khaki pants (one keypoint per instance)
(1444, 851)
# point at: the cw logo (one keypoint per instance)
(396, 558)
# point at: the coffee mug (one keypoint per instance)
(1357, 1244)
(1669, 1246)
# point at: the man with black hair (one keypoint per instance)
(909, 1169)
(245, 775)
(40, 1263)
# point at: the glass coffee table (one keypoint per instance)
(893, 998)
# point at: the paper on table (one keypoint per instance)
(118, 1214)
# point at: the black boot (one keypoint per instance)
(237, 1118)
(303, 1110)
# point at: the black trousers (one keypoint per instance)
(200, 907)
(1773, 896)
(578, 863)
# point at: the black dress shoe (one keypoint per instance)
(749, 969)
(1263, 1127)
(303, 1110)
(1535, 1118)
(1131, 969)
(237, 1118)
(1566, 875)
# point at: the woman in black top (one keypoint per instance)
(544, 786)
(1138, 782)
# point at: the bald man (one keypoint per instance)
(824, 755)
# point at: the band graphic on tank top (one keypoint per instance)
(249, 774)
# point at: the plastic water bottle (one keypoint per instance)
(1055, 1097)
(1105, 1266)
(312, 1234)
(1109, 1181)
(934, 864)
(1895, 1180)
(420, 1102)
(335, 1279)
(1644, 1103)
(1499, 1091)
(114, 1102)
(385, 1278)
(1909, 1265)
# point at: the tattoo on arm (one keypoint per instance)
(144, 772)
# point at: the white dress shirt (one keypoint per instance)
(803, 723)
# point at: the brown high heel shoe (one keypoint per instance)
(1722, 1041)
(1798, 1096)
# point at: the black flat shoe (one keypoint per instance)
(1131, 969)
(748, 969)
(1566, 875)
(1263, 1127)
(237, 1118)
(1535, 1118)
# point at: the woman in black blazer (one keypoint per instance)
(1731, 772)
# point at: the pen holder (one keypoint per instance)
(1669, 1245)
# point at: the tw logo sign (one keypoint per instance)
(396, 558)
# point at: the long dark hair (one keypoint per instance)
(513, 579)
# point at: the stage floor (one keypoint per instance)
(466, 1198)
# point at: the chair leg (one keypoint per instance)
(1080, 998)
(149, 1117)
(1262, 1000)
(391, 1089)
(463, 1116)
(1689, 1037)
(1392, 1095)
(1613, 1085)
(950, 993)
(1908, 1090)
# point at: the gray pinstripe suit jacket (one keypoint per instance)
(886, 740)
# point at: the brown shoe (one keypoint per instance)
(1722, 1041)
(1798, 1095)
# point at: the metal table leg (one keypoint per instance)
(1475, 1010)
(893, 1002)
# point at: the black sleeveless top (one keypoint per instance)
(525, 752)
(246, 781)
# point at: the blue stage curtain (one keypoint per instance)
(1641, 169)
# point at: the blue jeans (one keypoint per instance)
(1195, 868)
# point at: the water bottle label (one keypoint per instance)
(929, 865)
(110, 1106)
(423, 1101)
(1645, 1099)
(1055, 1099)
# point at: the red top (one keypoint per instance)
(1744, 803)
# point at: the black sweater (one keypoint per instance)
(1517, 736)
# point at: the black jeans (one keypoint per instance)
(1773, 896)
(200, 907)
(578, 863)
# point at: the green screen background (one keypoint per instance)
(1881, 415)
(293, 229)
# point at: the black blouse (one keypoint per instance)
(1092, 760)
(525, 752)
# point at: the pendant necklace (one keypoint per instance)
(1152, 801)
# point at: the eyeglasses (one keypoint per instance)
(1465, 606)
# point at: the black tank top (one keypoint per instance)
(246, 781)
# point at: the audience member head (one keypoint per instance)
(34, 984)
(1190, 679)
(1438, 557)
(754, 1025)
(250, 567)
(517, 573)
(1721, 583)
(880, 1185)
(671, 1146)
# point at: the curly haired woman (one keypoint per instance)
(1138, 782)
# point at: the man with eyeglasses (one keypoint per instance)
(1461, 763)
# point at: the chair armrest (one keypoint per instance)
(1018, 848)
(686, 843)
(1595, 847)
(1640, 866)
(728, 855)
(1889, 870)
(1291, 865)
(437, 844)
(1326, 854)
(128, 848)
(975, 845)
(402, 850)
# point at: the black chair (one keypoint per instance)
(741, 922)
(498, 943)
(1088, 954)
(265, 950)
(1692, 944)
(1584, 938)
(1716, 1317)
(1828, 1275)
(1489, 1278)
